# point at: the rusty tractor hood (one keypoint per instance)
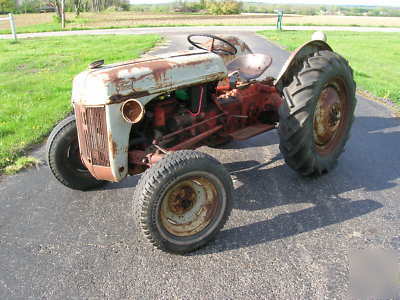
(147, 76)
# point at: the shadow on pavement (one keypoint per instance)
(290, 224)
(327, 207)
(371, 163)
(129, 182)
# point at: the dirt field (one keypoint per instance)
(128, 19)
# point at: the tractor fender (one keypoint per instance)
(296, 58)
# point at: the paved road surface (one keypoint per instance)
(288, 237)
(193, 29)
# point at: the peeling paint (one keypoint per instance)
(114, 84)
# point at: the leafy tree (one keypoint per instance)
(7, 6)
(224, 7)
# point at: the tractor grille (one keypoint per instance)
(92, 133)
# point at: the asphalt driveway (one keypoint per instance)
(288, 237)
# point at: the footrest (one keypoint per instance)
(250, 131)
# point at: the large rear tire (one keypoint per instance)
(183, 201)
(64, 159)
(317, 114)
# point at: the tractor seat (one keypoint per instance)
(250, 66)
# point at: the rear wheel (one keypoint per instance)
(183, 201)
(316, 118)
(64, 158)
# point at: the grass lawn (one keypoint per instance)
(36, 78)
(375, 57)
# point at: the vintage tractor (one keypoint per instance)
(147, 115)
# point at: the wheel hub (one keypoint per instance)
(328, 119)
(182, 199)
(189, 206)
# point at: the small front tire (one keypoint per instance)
(64, 160)
(183, 201)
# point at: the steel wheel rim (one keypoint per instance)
(330, 117)
(189, 206)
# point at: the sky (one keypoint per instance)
(334, 2)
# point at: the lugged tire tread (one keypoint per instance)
(298, 110)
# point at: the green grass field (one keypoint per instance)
(375, 57)
(36, 79)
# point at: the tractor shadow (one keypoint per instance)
(292, 204)
(303, 205)
(295, 204)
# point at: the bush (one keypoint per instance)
(125, 6)
(29, 6)
(224, 7)
(7, 6)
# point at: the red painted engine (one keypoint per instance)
(207, 115)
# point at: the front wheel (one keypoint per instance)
(64, 158)
(316, 116)
(183, 201)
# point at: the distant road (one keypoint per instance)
(185, 29)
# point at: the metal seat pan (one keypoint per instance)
(250, 66)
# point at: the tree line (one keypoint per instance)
(216, 7)
(76, 6)
(311, 10)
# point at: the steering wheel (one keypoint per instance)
(231, 51)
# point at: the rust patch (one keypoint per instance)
(127, 80)
(158, 70)
(181, 200)
(330, 117)
(113, 145)
(133, 111)
(103, 173)
(189, 206)
(121, 98)
(92, 134)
